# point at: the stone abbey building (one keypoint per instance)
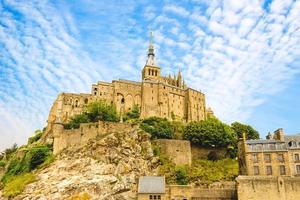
(156, 95)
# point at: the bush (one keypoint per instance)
(30, 161)
(209, 133)
(2, 163)
(181, 175)
(159, 128)
(37, 135)
(76, 121)
(133, 114)
(100, 110)
(16, 185)
(9, 151)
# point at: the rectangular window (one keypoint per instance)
(267, 158)
(150, 197)
(296, 157)
(298, 169)
(269, 170)
(280, 158)
(256, 170)
(282, 169)
(254, 157)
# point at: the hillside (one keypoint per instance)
(106, 168)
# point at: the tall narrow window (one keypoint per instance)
(254, 157)
(282, 169)
(269, 170)
(298, 169)
(256, 170)
(280, 157)
(267, 158)
(155, 72)
(149, 75)
(296, 157)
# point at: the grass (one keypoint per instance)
(16, 184)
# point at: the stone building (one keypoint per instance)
(278, 155)
(155, 95)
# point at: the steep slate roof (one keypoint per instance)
(152, 184)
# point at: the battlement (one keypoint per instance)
(76, 138)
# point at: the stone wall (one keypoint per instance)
(179, 151)
(268, 188)
(203, 152)
(76, 138)
(218, 191)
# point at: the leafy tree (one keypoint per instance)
(181, 175)
(133, 114)
(100, 110)
(159, 128)
(77, 120)
(209, 133)
(240, 128)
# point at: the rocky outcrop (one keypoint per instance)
(105, 168)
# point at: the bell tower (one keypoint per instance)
(151, 71)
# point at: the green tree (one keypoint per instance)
(133, 114)
(101, 110)
(77, 120)
(159, 128)
(209, 133)
(240, 128)
(37, 135)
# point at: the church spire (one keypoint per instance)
(151, 55)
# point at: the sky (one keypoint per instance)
(244, 55)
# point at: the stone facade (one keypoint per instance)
(278, 155)
(155, 95)
(268, 188)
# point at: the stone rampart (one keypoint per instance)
(76, 138)
(268, 188)
(216, 192)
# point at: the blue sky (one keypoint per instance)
(244, 55)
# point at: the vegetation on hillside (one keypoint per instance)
(95, 111)
(159, 128)
(200, 172)
(132, 115)
(20, 162)
(209, 133)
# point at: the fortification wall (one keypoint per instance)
(179, 151)
(268, 188)
(216, 192)
(76, 138)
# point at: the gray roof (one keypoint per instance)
(262, 141)
(151, 184)
(292, 138)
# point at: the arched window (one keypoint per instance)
(76, 103)
(122, 101)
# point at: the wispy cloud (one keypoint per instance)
(237, 52)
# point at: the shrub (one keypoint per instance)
(17, 184)
(212, 156)
(159, 128)
(181, 175)
(209, 133)
(2, 163)
(100, 110)
(37, 135)
(133, 114)
(76, 121)
(9, 151)
(30, 161)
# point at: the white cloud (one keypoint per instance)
(176, 10)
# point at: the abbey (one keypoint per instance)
(156, 95)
